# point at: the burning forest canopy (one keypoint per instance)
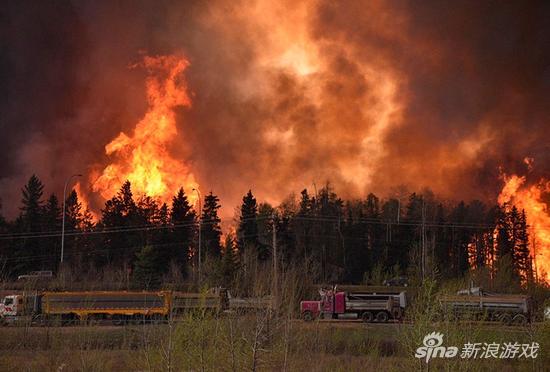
(373, 96)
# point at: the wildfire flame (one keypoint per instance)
(83, 199)
(144, 158)
(529, 198)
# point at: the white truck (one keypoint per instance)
(19, 307)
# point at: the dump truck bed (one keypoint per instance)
(187, 301)
(372, 304)
(105, 302)
(513, 303)
(250, 303)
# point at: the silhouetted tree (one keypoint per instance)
(229, 264)
(4, 243)
(29, 252)
(183, 220)
(522, 254)
(304, 226)
(120, 214)
(147, 268)
(210, 226)
(247, 231)
(460, 238)
(52, 216)
(327, 234)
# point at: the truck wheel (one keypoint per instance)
(156, 319)
(382, 317)
(519, 320)
(307, 316)
(93, 320)
(506, 319)
(118, 320)
(367, 317)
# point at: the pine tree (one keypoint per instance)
(357, 259)
(460, 238)
(31, 210)
(374, 232)
(303, 226)
(522, 254)
(442, 242)
(210, 226)
(329, 242)
(407, 236)
(53, 218)
(2, 219)
(147, 272)
(30, 251)
(247, 231)
(507, 233)
(388, 258)
(229, 265)
(163, 218)
(120, 213)
(183, 221)
(5, 245)
(73, 212)
(504, 238)
(147, 210)
(73, 221)
(3, 242)
(162, 236)
(477, 254)
(52, 214)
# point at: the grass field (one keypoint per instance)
(254, 343)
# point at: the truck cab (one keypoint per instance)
(354, 305)
(11, 306)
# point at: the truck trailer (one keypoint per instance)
(476, 304)
(118, 307)
(369, 307)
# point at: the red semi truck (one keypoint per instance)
(369, 307)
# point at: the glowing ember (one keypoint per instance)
(143, 158)
(529, 198)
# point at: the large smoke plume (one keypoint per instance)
(366, 94)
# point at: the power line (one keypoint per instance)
(297, 218)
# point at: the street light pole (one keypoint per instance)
(275, 261)
(63, 223)
(200, 233)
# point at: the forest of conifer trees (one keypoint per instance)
(337, 241)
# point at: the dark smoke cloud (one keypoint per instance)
(471, 85)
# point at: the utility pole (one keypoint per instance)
(315, 189)
(63, 223)
(535, 255)
(343, 240)
(200, 232)
(423, 239)
(398, 209)
(275, 267)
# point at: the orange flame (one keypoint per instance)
(143, 158)
(529, 198)
(83, 199)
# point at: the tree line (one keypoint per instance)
(335, 240)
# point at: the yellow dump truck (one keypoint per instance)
(118, 307)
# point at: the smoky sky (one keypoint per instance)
(368, 95)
